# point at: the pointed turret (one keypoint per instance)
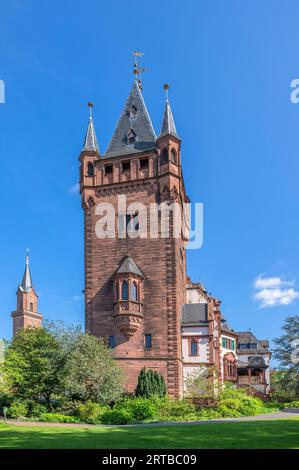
(134, 131)
(90, 142)
(26, 315)
(168, 125)
(26, 284)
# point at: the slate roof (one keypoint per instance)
(194, 314)
(129, 266)
(225, 326)
(168, 125)
(134, 131)
(26, 284)
(246, 337)
(253, 361)
(90, 141)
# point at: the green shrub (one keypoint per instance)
(35, 409)
(292, 404)
(90, 412)
(17, 410)
(57, 418)
(240, 405)
(139, 408)
(67, 407)
(116, 417)
(177, 409)
(208, 413)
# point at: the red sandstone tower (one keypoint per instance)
(135, 288)
(26, 315)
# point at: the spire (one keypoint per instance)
(27, 280)
(90, 142)
(134, 131)
(168, 125)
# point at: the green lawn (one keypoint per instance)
(270, 434)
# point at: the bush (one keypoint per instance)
(139, 408)
(150, 383)
(35, 409)
(208, 413)
(6, 399)
(242, 405)
(57, 418)
(116, 417)
(67, 407)
(17, 410)
(177, 408)
(90, 412)
(292, 404)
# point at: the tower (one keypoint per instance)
(26, 315)
(135, 287)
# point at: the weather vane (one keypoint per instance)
(138, 71)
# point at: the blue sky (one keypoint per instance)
(229, 64)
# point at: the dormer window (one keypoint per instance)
(130, 137)
(132, 111)
(108, 169)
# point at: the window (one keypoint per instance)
(21, 304)
(143, 164)
(125, 291)
(111, 342)
(108, 169)
(130, 137)
(193, 347)
(173, 156)
(164, 155)
(90, 169)
(31, 307)
(148, 341)
(228, 343)
(247, 346)
(134, 291)
(126, 166)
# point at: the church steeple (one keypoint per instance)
(168, 125)
(90, 141)
(26, 315)
(134, 131)
(26, 284)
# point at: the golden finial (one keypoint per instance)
(90, 105)
(166, 88)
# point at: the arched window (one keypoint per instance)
(125, 291)
(90, 169)
(134, 291)
(173, 156)
(31, 307)
(164, 155)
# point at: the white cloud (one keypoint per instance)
(273, 291)
(75, 188)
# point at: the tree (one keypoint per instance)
(91, 373)
(287, 353)
(201, 384)
(150, 383)
(34, 364)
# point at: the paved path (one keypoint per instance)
(278, 415)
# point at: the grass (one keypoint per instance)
(268, 434)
